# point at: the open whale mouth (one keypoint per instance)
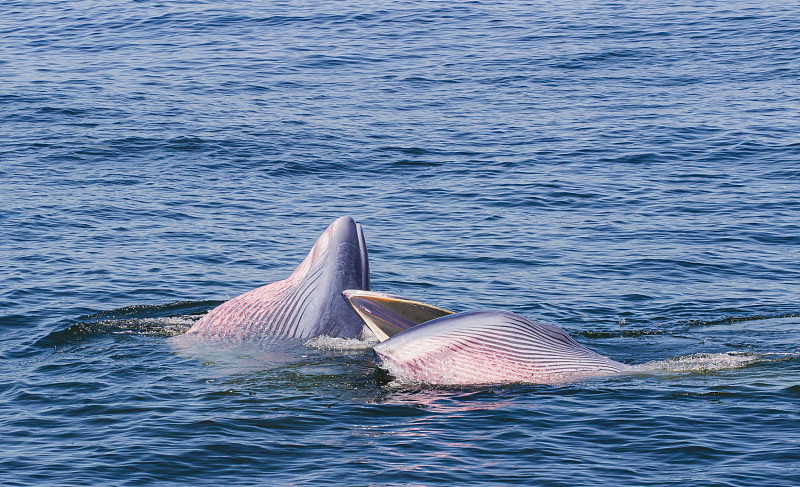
(387, 315)
(362, 248)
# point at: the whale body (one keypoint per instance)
(306, 304)
(328, 294)
(474, 347)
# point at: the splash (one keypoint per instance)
(702, 362)
(325, 342)
(166, 327)
(81, 331)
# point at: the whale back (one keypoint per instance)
(481, 347)
(308, 303)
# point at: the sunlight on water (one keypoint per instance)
(230, 358)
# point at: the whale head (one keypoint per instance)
(306, 304)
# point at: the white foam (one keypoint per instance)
(325, 342)
(164, 326)
(701, 362)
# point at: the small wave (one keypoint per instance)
(174, 309)
(164, 327)
(702, 362)
(739, 319)
(165, 320)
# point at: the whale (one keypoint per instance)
(306, 304)
(425, 343)
(329, 294)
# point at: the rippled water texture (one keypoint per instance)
(627, 171)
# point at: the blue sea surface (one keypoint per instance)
(629, 171)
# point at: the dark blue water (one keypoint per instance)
(629, 171)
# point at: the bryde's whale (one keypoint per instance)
(328, 294)
(308, 303)
(426, 343)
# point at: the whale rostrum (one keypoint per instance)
(306, 304)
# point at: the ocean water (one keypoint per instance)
(628, 171)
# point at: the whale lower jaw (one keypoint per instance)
(458, 362)
(425, 343)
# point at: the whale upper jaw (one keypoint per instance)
(306, 304)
